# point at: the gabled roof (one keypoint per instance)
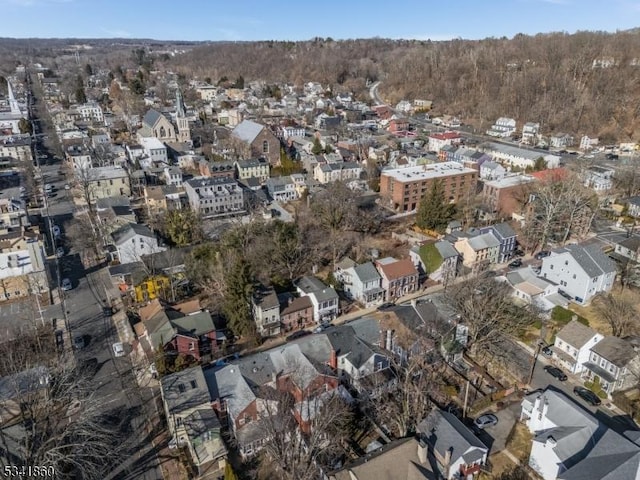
(195, 324)
(576, 334)
(615, 350)
(185, 390)
(443, 431)
(366, 272)
(483, 241)
(152, 117)
(129, 231)
(247, 131)
(397, 269)
(502, 230)
(591, 259)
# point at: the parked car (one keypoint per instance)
(587, 395)
(78, 342)
(547, 352)
(542, 254)
(60, 252)
(555, 372)
(386, 305)
(66, 284)
(484, 421)
(519, 253)
(56, 231)
(517, 263)
(118, 349)
(67, 187)
(298, 334)
(565, 294)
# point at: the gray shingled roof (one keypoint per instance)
(247, 131)
(128, 231)
(444, 431)
(616, 350)
(367, 272)
(151, 117)
(590, 258)
(185, 390)
(504, 230)
(446, 249)
(484, 241)
(576, 334)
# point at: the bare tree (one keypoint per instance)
(295, 452)
(621, 314)
(50, 415)
(486, 308)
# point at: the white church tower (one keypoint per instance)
(184, 134)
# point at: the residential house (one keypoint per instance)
(217, 169)
(324, 299)
(457, 451)
(614, 363)
(504, 127)
(505, 196)
(22, 267)
(518, 157)
(333, 172)
(478, 251)
(16, 146)
(439, 260)
(587, 143)
(533, 290)
(295, 312)
(399, 277)
(402, 189)
(530, 133)
(173, 176)
(599, 178)
(133, 240)
(192, 421)
(507, 238)
(560, 140)
(256, 168)
(569, 443)
(210, 196)
(403, 459)
(629, 248)
(492, 171)
(151, 287)
(103, 182)
(633, 206)
(572, 346)
(258, 140)
(282, 189)
(266, 311)
(154, 150)
(438, 140)
(581, 272)
(361, 282)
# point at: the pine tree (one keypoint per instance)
(434, 213)
(236, 305)
(317, 149)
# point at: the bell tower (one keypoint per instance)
(184, 134)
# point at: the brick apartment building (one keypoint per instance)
(401, 189)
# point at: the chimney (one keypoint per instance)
(422, 452)
(333, 360)
(545, 407)
(447, 459)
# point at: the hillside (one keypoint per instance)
(584, 83)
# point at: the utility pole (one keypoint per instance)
(533, 361)
(466, 399)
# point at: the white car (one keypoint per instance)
(67, 187)
(48, 188)
(118, 349)
(66, 284)
(56, 231)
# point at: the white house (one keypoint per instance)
(530, 133)
(572, 347)
(333, 172)
(561, 140)
(532, 289)
(132, 241)
(282, 189)
(614, 362)
(266, 311)
(599, 178)
(587, 143)
(458, 453)
(155, 150)
(492, 171)
(439, 140)
(504, 127)
(581, 272)
(360, 282)
(173, 176)
(324, 299)
(570, 443)
(91, 112)
(213, 196)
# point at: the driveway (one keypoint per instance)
(495, 437)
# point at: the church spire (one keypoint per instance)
(180, 108)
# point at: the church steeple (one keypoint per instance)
(184, 134)
(181, 111)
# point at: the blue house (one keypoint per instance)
(507, 237)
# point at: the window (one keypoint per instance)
(550, 267)
(194, 384)
(192, 347)
(574, 276)
(178, 421)
(265, 147)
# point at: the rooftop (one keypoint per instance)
(427, 171)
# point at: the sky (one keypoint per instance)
(304, 19)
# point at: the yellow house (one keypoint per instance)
(152, 287)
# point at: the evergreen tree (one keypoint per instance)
(236, 304)
(434, 213)
(25, 126)
(88, 70)
(317, 149)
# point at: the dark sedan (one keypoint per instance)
(587, 395)
(517, 263)
(555, 372)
